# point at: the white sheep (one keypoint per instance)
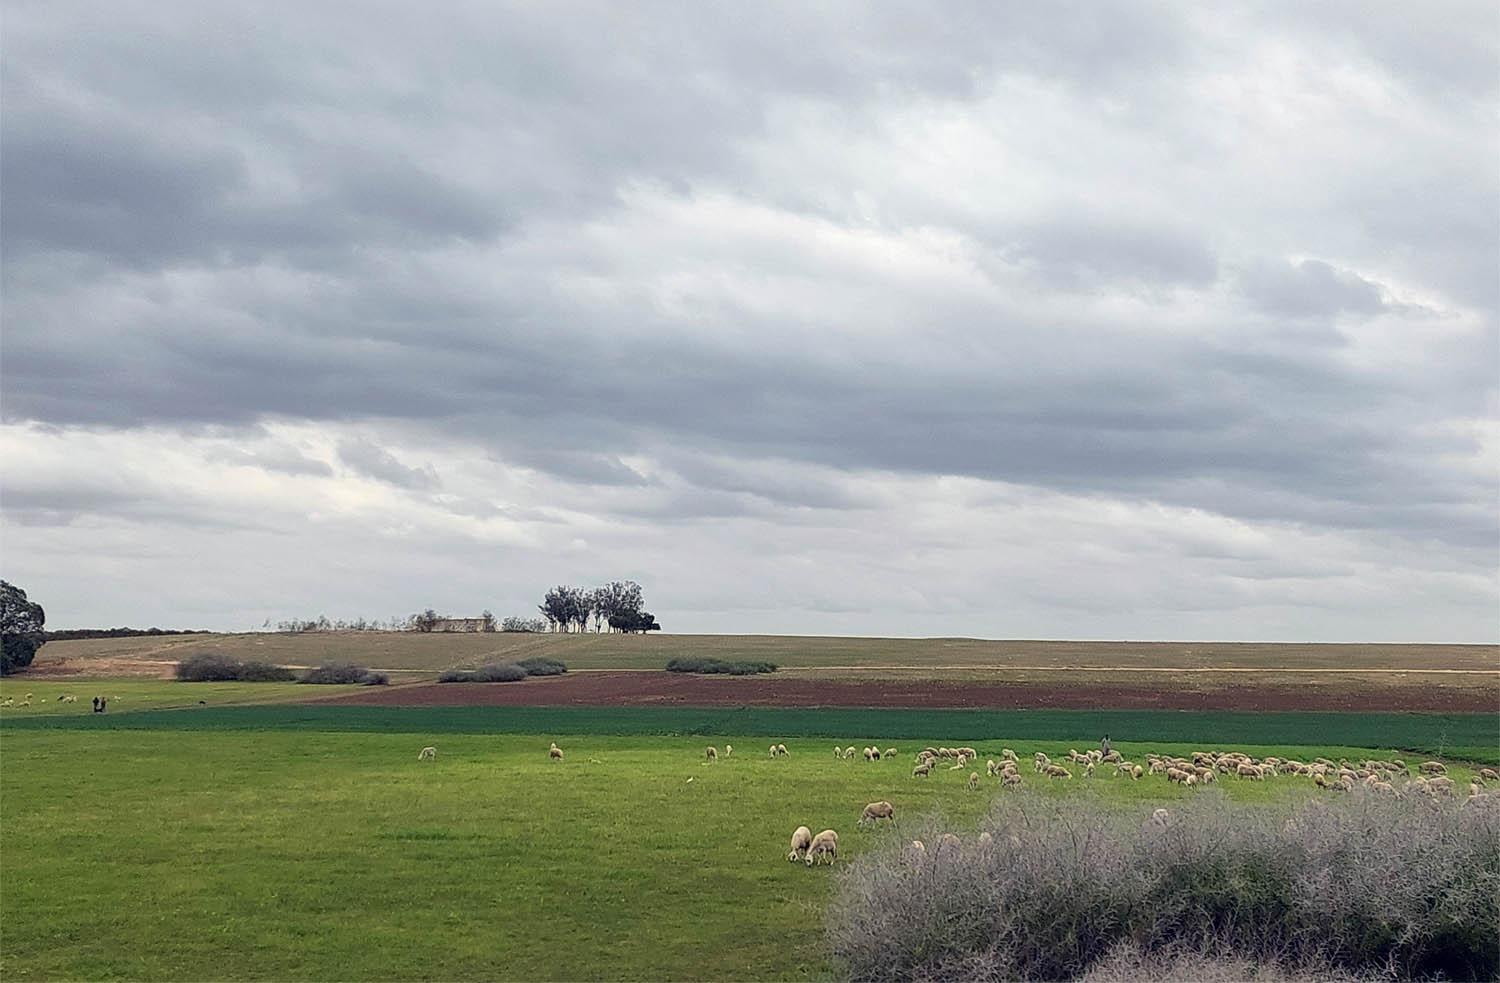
(712, 753)
(427, 754)
(825, 844)
(801, 840)
(891, 752)
(728, 750)
(876, 811)
(554, 752)
(973, 781)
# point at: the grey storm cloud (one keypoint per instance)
(681, 263)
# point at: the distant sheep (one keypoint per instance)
(712, 753)
(922, 769)
(1433, 768)
(876, 811)
(554, 752)
(973, 781)
(849, 751)
(1056, 771)
(825, 844)
(891, 752)
(1010, 780)
(801, 840)
(778, 750)
(728, 750)
(948, 842)
(427, 754)
(1489, 775)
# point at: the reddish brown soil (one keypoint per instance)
(673, 689)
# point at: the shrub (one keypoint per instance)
(531, 625)
(211, 667)
(485, 674)
(540, 666)
(343, 673)
(1367, 885)
(719, 666)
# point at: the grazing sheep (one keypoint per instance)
(801, 840)
(1441, 784)
(866, 753)
(891, 752)
(1040, 761)
(1010, 780)
(825, 844)
(781, 751)
(712, 754)
(947, 842)
(1250, 771)
(728, 750)
(990, 768)
(427, 754)
(838, 753)
(7, 702)
(554, 752)
(1057, 771)
(973, 781)
(876, 811)
(849, 751)
(773, 750)
(922, 769)
(1007, 754)
(1433, 768)
(1088, 770)
(1489, 775)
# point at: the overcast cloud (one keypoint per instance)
(1108, 320)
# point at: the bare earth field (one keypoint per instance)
(810, 690)
(406, 651)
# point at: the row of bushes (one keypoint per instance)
(210, 667)
(510, 672)
(1362, 885)
(720, 667)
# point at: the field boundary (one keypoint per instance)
(1476, 734)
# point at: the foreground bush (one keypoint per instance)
(210, 667)
(335, 673)
(539, 666)
(1362, 884)
(485, 674)
(719, 666)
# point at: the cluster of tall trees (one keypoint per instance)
(618, 605)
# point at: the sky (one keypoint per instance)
(1093, 320)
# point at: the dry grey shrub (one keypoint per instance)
(1361, 884)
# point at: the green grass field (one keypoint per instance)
(261, 842)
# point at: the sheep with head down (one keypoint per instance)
(801, 840)
(876, 811)
(825, 844)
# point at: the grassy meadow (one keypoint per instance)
(226, 842)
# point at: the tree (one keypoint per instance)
(556, 608)
(618, 599)
(488, 618)
(21, 624)
(425, 621)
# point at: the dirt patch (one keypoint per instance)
(676, 689)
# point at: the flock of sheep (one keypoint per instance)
(1199, 769)
(25, 701)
